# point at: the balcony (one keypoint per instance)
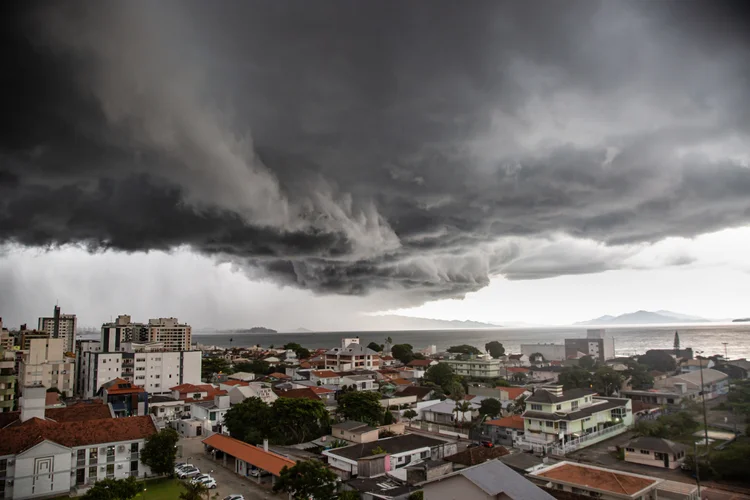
(7, 392)
(7, 379)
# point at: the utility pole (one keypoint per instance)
(703, 397)
(697, 471)
(725, 350)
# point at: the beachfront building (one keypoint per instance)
(598, 344)
(560, 421)
(480, 368)
(350, 356)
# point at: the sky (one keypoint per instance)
(308, 164)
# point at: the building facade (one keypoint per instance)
(551, 352)
(598, 344)
(350, 356)
(174, 335)
(60, 326)
(45, 363)
(7, 381)
(481, 368)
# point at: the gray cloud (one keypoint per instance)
(349, 148)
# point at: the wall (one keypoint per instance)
(452, 488)
(650, 459)
(398, 401)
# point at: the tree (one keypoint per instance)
(440, 374)
(519, 377)
(193, 491)
(410, 415)
(349, 495)
(501, 382)
(658, 360)
(160, 451)
(307, 479)
(495, 349)
(586, 362)
(209, 366)
(417, 495)
(462, 407)
(402, 352)
(676, 343)
(375, 346)
(362, 406)
(298, 420)
(607, 381)
(574, 378)
(537, 357)
(456, 390)
(640, 378)
(388, 417)
(113, 489)
(254, 366)
(301, 352)
(464, 349)
(491, 407)
(249, 421)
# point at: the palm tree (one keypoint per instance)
(463, 407)
(193, 491)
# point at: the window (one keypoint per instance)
(92, 473)
(563, 426)
(111, 471)
(134, 466)
(548, 423)
(212, 415)
(558, 407)
(536, 407)
(133, 447)
(631, 450)
(574, 405)
(3, 466)
(93, 456)
(645, 452)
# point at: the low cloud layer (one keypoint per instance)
(413, 148)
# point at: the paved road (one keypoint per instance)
(228, 481)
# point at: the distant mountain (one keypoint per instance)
(741, 320)
(644, 318)
(301, 330)
(396, 322)
(255, 329)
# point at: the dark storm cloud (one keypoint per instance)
(347, 147)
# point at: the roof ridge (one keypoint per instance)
(619, 483)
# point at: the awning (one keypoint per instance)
(253, 455)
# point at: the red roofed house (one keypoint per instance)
(325, 377)
(420, 366)
(306, 393)
(127, 400)
(64, 450)
(505, 431)
(243, 458)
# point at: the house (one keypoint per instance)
(127, 400)
(387, 360)
(401, 451)
(505, 431)
(607, 484)
(475, 456)
(325, 394)
(356, 432)
(246, 457)
(277, 376)
(518, 360)
(306, 393)
(487, 481)
(500, 393)
(672, 391)
(243, 376)
(325, 377)
(656, 452)
(210, 414)
(253, 390)
(421, 393)
(359, 382)
(62, 451)
(691, 365)
(563, 421)
(481, 368)
(193, 392)
(350, 356)
(444, 412)
(525, 463)
(166, 409)
(737, 369)
(420, 366)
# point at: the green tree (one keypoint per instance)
(388, 417)
(375, 346)
(501, 382)
(193, 491)
(440, 374)
(209, 366)
(519, 378)
(733, 462)
(301, 352)
(298, 420)
(464, 349)
(255, 366)
(586, 362)
(160, 451)
(249, 421)
(417, 495)
(606, 381)
(378, 450)
(307, 479)
(491, 407)
(402, 352)
(362, 406)
(113, 489)
(537, 357)
(456, 390)
(349, 495)
(658, 360)
(410, 415)
(462, 407)
(574, 377)
(495, 349)
(640, 378)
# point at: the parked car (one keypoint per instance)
(487, 444)
(178, 468)
(234, 497)
(199, 478)
(179, 464)
(189, 472)
(209, 483)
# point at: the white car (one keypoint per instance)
(208, 482)
(189, 472)
(200, 478)
(234, 497)
(182, 467)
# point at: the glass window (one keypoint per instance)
(548, 423)
(559, 407)
(133, 447)
(574, 405)
(111, 470)
(630, 449)
(92, 473)
(93, 455)
(645, 452)
(536, 407)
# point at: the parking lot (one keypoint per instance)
(228, 481)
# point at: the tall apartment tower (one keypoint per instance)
(174, 335)
(60, 326)
(121, 331)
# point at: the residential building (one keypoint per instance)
(247, 457)
(45, 363)
(480, 368)
(421, 393)
(62, 451)
(551, 352)
(174, 335)
(598, 344)
(673, 391)
(356, 432)
(401, 450)
(26, 336)
(260, 390)
(149, 365)
(60, 326)
(505, 431)
(324, 377)
(739, 368)
(7, 381)
(127, 400)
(420, 366)
(350, 356)
(656, 452)
(693, 365)
(487, 481)
(526, 463)
(359, 382)
(563, 421)
(120, 331)
(500, 393)
(243, 376)
(444, 412)
(7, 341)
(211, 414)
(475, 456)
(608, 484)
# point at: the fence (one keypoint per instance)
(573, 444)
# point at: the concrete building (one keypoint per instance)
(673, 391)
(506, 431)
(561, 422)
(655, 452)
(63, 451)
(356, 432)
(120, 331)
(60, 326)
(45, 364)
(7, 381)
(26, 336)
(127, 400)
(260, 390)
(596, 482)
(551, 352)
(350, 356)
(174, 335)
(481, 368)
(6, 339)
(598, 344)
(211, 414)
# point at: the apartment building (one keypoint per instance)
(174, 335)
(598, 344)
(564, 421)
(147, 365)
(6, 339)
(7, 381)
(551, 352)
(63, 451)
(60, 326)
(673, 391)
(46, 363)
(26, 336)
(121, 331)
(350, 356)
(482, 368)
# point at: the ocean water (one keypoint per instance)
(709, 338)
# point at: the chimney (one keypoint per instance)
(265, 445)
(32, 402)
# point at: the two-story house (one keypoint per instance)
(563, 421)
(325, 377)
(351, 356)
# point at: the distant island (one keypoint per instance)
(741, 320)
(396, 322)
(644, 318)
(255, 329)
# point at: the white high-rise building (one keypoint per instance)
(60, 326)
(45, 363)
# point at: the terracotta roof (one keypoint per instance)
(387, 358)
(517, 369)
(325, 374)
(306, 393)
(321, 390)
(18, 438)
(278, 375)
(419, 392)
(513, 422)
(400, 381)
(305, 364)
(594, 477)
(120, 386)
(514, 392)
(189, 388)
(258, 457)
(419, 362)
(477, 455)
(235, 382)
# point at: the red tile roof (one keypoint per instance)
(18, 438)
(306, 393)
(279, 375)
(325, 374)
(514, 392)
(400, 381)
(419, 362)
(517, 369)
(235, 382)
(513, 422)
(258, 457)
(321, 390)
(600, 479)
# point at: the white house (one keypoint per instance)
(360, 382)
(350, 356)
(61, 451)
(444, 412)
(253, 390)
(325, 377)
(211, 414)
